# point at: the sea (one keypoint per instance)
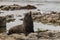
(45, 6)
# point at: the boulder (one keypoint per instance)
(5, 8)
(28, 7)
(16, 7)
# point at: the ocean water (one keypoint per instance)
(44, 7)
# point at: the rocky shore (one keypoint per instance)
(52, 18)
(16, 7)
(48, 35)
(40, 34)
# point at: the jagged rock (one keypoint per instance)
(18, 36)
(52, 18)
(2, 6)
(10, 18)
(5, 8)
(16, 7)
(32, 35)
(28, 7)
(36, 13)
(10, 38)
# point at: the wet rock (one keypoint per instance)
(10, 38)
(5, 8)
(52, 12)
(38, 9)
(21, 19)
(28, 7)
(52, 18)
(10, 18)
(36, 13)
(16, 7)
(33, 35)
(18, 36)
(49, 35)
(19, 15)
(2, 6)
(1, 12)
(10, 7)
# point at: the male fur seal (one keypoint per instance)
(26, 27)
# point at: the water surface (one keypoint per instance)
(44, 7)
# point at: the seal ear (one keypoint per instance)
(28, 14)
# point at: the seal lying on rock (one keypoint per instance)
(28, 23)
(26, 27)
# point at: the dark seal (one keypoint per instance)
(26, 27)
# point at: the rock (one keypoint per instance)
(52, 12)
(10, 7)
(52, 18)
(3, 36)
(18, 36)
(21, 19)
(10, 18)
(5, 8)
(16, 7)
(2, 6)
(28, 7)
(49, 35)
(19, 16)
(9, 38)
(38, 9)
(36, 13)
(32, 35)
(49, 19)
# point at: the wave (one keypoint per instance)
(47, 1)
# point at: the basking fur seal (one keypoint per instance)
(26, 27)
